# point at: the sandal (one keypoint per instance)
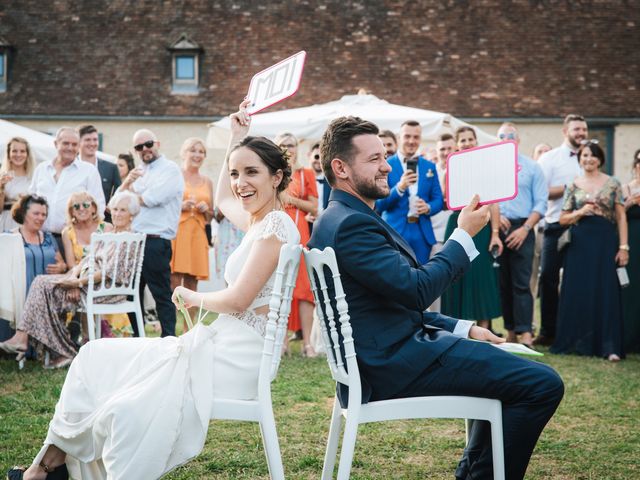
(308, 351)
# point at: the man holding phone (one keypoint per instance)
(415, 193)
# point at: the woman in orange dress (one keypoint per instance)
(190, 260)
(300, 199)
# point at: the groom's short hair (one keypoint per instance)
(337, 142)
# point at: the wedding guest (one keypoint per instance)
(83, 220)
(389, 142)
(590, 306)
(300, 199)
(475, 296)
(539, 149)
(51, 296)
(190, 261)
(125, 164)
(630, 297)
(15, 177)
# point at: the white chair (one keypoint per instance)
(260, 409)
(131, 245)
(396, 409)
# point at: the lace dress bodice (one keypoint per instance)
(275, 223)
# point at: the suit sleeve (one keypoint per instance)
(367, 254)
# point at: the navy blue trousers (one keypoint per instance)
(529, 391)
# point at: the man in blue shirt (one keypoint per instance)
(415, 193)
(518, 218)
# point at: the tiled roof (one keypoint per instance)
(536, 58)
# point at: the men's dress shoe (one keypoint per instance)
(544, 341)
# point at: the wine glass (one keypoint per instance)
(495, 254)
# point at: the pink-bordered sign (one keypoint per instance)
(276, 83)
(491, 171)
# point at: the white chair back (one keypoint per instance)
(129, 247)
(279, 309)
(322, 265)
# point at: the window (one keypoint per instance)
(5, 48)
(185, 58)
(185, 67)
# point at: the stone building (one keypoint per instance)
(174, 66)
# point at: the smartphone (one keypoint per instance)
(412, 165)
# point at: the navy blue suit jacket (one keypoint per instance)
(395, 207)
(388, 292)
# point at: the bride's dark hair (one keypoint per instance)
(272, 155)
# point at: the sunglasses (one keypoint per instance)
(85, 205)
(589, 142)
(140, 146)
(507, 136)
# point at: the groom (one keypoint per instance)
(402, 350)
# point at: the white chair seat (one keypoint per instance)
(468, 408)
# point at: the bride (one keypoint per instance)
(137, 408)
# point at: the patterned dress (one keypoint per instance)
(47, 304)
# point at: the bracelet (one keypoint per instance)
(526, 226)
(400, 191)
(495, 230)
(624, 247)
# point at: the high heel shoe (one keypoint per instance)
(58, 473)
(308, 351)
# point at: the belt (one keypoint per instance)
(153, 235)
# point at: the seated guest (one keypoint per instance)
(15, 177)
(40, 249)
(83, 220)
(590, 307)
(125, 164)
(51, 296)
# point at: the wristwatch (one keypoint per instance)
(624, 247)
(527, 227)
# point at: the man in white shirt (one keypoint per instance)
(65, 174)
(560, 166)
(159, 185)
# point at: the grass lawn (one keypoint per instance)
(594, 435)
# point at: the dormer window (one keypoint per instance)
(185, 66)
(5, 48)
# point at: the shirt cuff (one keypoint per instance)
(465, 240)
(462, 328)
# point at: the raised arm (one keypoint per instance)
(226, 199)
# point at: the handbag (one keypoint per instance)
(564, 240)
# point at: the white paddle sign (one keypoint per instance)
(276, 83)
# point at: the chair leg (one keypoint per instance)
(497, 447)
(348, 445)
(139, 318)
(271, 445)
(467, 429)
(332, 441)
(92, 328)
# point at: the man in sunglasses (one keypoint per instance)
(518, 220)
(560, 166)
(65, 174)
(159, 185)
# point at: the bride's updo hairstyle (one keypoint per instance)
(271, 155)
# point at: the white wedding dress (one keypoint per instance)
(139, 407)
